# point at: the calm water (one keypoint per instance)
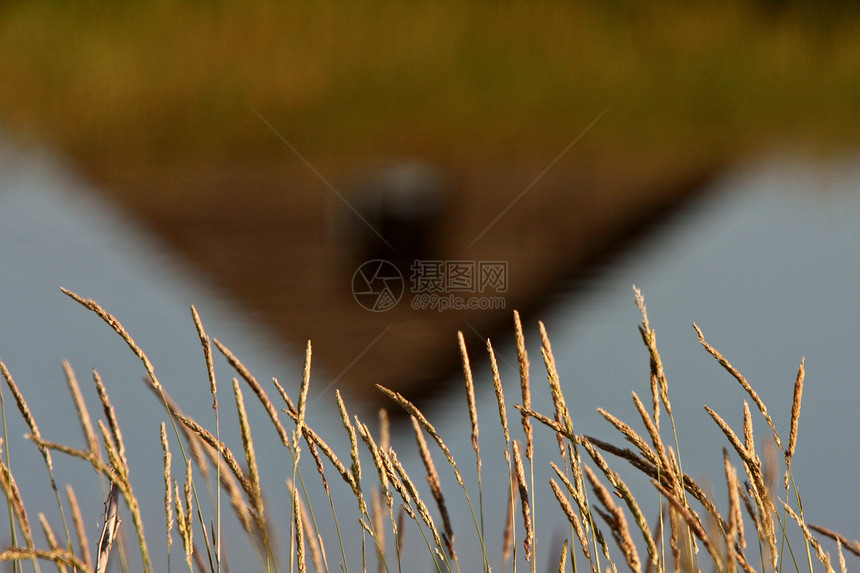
(768, 266)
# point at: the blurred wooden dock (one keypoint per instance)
(268, 237)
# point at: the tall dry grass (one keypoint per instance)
(608, 529)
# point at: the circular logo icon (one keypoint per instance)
(377, 285)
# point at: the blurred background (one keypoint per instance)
(249, 137)
(249, 157)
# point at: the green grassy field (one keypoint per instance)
(119, 83)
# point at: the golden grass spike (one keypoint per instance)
(60, 556)
(693, 522)
(353, 441)
(524, 501)
(631, 436)
(573, 519)
(734, 513)
(574, 492)
(409, 487)
(649, 337)
(470, 400)
(256, 388)
(80, 528)
(562, 561)
(842, 565)
(311, 437)
(119, 329)
(285, 397)
(523, 361)
(549, 423)
(118, 479)
(561, 410)
(500, 397)
(616, 521)
(600, 461)
(433, 479)
(640, 303)
(673, 459)
(795, 413)
(355, 468)
(654, 433)
(425, 423)
(28, 418)
(315, 454)
(852, 546)
(732, 437)
(113, 423)
(736, 516)
(314, 541)
(624, 492)
(206, 436)
(300, 530)
(206, 343)
(763, 519)
(182, 523)
(675, 521)
(655, 400)
(226, 454)
(378, 462)
(645, 466)
(651, 471)
(234, 491)
(50, 537)
(747, 494)
(97, 464)
(168, 506)
(743, 382)
(749, 439)
(387, 465)
(116, 465)
(576, 469)
(250, 456)
(822, 555)
(303, 396)
(124, 486)
(189, 505)
(81, 409)
(34, 429)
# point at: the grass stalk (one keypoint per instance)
(206, 344)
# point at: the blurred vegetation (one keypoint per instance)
(126, 84)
